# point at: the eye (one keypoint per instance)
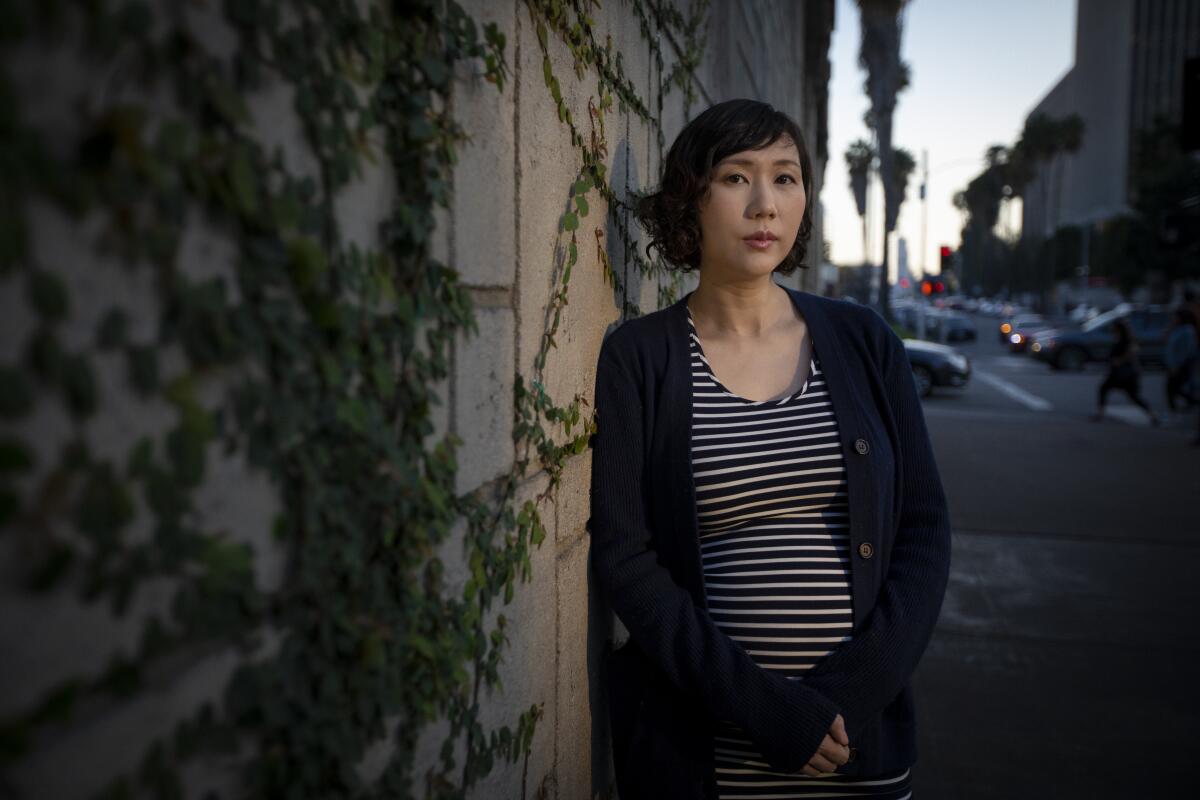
(789, 177)
(730, 178)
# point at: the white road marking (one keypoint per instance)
(1031, 401)
(1015, 363)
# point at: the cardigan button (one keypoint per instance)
(865, 550)
(861, 446)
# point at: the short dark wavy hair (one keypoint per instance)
(671, 214)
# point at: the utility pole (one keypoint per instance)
(924, 209)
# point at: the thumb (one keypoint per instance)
(838, 729)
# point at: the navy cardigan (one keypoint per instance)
(679, 672)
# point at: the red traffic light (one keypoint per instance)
(945, 251)
(926, 288)
(939, 287)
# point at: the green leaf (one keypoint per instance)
(104, 508)
(9, 504)
(185, 448)
(226, 100)
(570, 221)
(582, 204)
(79, 385)
(306, 262)
(142, 367)
(45, 356)
(141, 459)
(48, 294)
(243, 182)
(113, 329)
(15, 456)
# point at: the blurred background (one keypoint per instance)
(301, 304)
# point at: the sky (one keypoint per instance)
(977, 69)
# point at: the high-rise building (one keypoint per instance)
(1128, 70)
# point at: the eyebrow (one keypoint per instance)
(747, 162)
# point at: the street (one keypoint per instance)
(1059, 666)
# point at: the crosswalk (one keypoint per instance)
(1000, 374)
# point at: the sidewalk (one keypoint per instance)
(1064, 659)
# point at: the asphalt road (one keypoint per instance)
(1060, 664)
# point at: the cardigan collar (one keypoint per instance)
(826, 345)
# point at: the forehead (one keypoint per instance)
(782, 149)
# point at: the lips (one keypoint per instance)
(762, 236)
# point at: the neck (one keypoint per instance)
(740, 309)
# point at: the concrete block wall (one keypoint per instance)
(510, 189)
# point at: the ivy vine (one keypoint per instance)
(327, 354)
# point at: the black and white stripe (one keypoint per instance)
(774, 539)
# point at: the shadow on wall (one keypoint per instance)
(603, 627)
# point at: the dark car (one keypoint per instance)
(1022, 321)
(1071, 350)
(936, 364)
(959, 327)
(1024, 329)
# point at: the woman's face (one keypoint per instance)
(752, 192)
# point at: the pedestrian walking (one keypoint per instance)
(767, 518)
(1181, 355)
(1123, 372)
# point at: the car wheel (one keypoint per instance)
(1071, 358)
(924, 380)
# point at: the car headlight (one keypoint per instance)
(959, 361)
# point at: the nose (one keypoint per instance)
(762, 203)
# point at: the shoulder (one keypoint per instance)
(857, 328)
(638, 340)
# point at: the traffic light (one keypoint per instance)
(932, 286)
(947, 258)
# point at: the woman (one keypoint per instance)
(767, 518)
(1181, 358)
(1123, 372)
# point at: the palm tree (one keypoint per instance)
(1037, 147)
(1043, 140)
(887, 75)
(905, 164)
(1068, 137)
(859, 156)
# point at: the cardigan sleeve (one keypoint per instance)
(785, 718)
(865, 674)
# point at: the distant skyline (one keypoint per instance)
(965, 94)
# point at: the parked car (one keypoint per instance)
(1072, 350)
(959, 327)
(1022, 321)
(936, 364)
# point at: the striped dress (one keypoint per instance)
(774, 540)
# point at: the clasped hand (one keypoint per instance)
(833, 752)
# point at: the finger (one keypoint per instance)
(810, 771)
(839, 730)
(820, 762)
(832, 751)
